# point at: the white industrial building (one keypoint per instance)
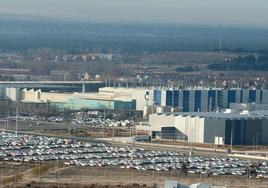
(142, 96)
(210, 127)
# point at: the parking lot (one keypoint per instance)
(29, 148)
(77, 125)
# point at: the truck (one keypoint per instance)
(142, 138)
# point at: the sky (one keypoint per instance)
(250, 13)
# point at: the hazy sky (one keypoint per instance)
(207, 12)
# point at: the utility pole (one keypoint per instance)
(190, 137)
(17, 114)
(46, 109)
(257, 140)
(6, 107)
(104, 117)
(17, 110)
(113, 133)
(132, 157)
(232, 140)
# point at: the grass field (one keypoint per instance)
(110, 177)
(117, 176)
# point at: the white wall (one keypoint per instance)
(181, 124)
(163, 97)
(161, 120)
(197, 129)
(192, 127)
(139, 96)
(11, 94)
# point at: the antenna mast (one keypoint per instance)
(220, 44)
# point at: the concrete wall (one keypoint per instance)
(191, 101)
(156, 120)
(29, 96)
(243, 131)
(238, 96)
(198, 130)
(265, 132)
(192, 127)
(265, 96)
(205, 129)
(38, 96)
(204, 101)
(245, 97)
(54, 97)
(11, 94)
(163, 97)
(182, 124)
(137, 94)
(2, 92)
(258, 96)
(213, 127)
(253, 131)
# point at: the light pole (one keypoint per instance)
(231, 140)
(257, 140)
(104, 117)
(17, 114)
(113, 132)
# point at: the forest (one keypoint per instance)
(246, 63)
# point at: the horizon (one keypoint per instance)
(238, 14)
(48, 19)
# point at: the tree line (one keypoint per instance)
(246, 63)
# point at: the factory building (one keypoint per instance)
(150, 100)
(142, 96)
(206, 100)
(210, 127)
(51, 86)
(77, 101)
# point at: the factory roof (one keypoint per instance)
(113, 89)
(221, 115)
(50, 82)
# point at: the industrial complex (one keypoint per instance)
(211, 127)
(222, 116)
(93, 95)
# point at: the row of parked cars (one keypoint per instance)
(100, 122)
(79, 119)
(26, 148)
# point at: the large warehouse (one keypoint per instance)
(52, 86)
(191, 100)
(186, 100)
(205, 127)
(206, 100)
(76, 101)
